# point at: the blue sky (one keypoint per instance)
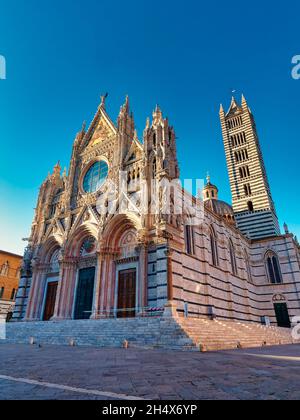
(186, 56)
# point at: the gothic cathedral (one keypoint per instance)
(98, 250)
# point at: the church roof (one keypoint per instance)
(219, 207)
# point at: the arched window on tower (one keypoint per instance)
(233, 258)
(273, 268)
(250, 206)
(214, 248)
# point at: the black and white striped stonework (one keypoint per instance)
(250, 188)
(259, 224)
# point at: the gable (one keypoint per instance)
(101, 129)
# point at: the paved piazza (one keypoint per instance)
(57, 373)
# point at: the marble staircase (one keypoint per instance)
(150, 333)
(224, 335)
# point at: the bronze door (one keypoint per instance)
(50, 300)
(127, 294)
(85, 293)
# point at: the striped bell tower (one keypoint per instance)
(252, 202)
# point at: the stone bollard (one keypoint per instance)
(31, 341)
(125, 344)
(72, 343)
(202, 348)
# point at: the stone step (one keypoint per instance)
(216, 335)
(158, 333)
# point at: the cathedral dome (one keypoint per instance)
(222, 209)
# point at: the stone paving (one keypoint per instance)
(268, 373)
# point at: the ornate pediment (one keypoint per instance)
(102, 131)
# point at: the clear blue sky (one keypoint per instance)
(186, 56)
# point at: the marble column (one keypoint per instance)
(66, 289)
(143, 277)
(37, 291)
(97, 294)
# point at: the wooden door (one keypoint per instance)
(127, 294)
(85, 293)
(282, 315)
(50, 300)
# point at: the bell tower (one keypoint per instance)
(251, 195)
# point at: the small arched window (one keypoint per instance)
(273, 268)
(250, 206)
(189, 240)
(233, 258)
(214, 248)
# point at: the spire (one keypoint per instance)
(147, 123)
(126, 105)
(125, 108)
(57, 169)
(234, 106)
(157, 115)
(244, 103)
(221, 109)
(233, 102)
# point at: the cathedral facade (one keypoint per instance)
(117, 237)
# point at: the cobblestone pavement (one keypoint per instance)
(86, 373)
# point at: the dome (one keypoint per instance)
(221, 209)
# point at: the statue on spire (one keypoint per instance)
(103, 100)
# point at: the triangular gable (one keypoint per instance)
(102, 128)
(135, 151)
(87, 214)
(234, 107)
